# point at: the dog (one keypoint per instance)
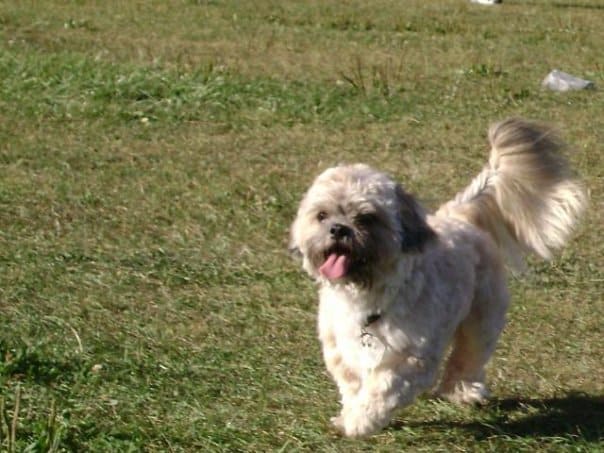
(399, 288)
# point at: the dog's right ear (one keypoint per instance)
(416, 233)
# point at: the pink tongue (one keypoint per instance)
(336, 266)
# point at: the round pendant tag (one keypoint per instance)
(372, 351)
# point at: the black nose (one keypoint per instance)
(339, 231)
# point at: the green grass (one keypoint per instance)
(151, 158)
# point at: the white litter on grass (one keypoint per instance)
(561, 81)
(486, 2)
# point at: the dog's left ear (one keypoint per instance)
(416, 233)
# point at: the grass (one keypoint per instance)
(151, 158)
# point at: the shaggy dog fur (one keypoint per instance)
(398, 286)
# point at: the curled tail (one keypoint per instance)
(526, 197)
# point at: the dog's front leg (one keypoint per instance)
(347, 379)
(383, 390)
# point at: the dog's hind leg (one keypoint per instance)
(474, 342)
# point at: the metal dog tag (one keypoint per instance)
(372, 351)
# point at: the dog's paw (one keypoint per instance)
(350, 427)
(338, 423)
(467, 393)
(358, 424)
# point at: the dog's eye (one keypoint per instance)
(365, 219)
(321, 216)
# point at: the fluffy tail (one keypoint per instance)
(526, 197)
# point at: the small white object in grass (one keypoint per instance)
(96, 368)
(562, 81)
(486, 2)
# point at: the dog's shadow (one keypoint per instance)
(575, 414)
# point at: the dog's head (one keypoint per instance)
(353, 224)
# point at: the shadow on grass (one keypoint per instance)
(567, 5)
(36, 364)
(577, 5)
(575, 415)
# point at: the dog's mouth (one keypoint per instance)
(337, 263)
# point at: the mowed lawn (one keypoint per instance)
(152, 154)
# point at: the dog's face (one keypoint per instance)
(353, 224)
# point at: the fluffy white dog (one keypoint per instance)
(398, 286)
